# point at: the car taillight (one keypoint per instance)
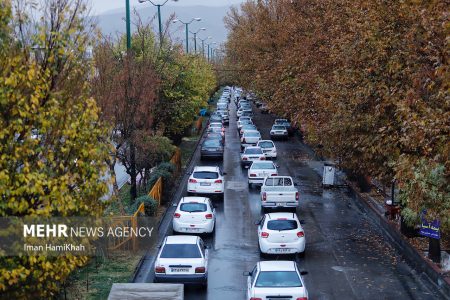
(176, 215)
(218, 181)
(254, 298)
(297, 196)
(300, 234)
(244, 158)
(208, 216)
(192, 181)
(273, 174)
(264, 234)
(262, 158)
(200, 270)
(302, 298)
(264, 196)
(252, 175)
(160, 270)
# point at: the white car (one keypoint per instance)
(251, 154)
(216, 125)
(206, 181)
(242, 123)
(276, 280)
(269, 148)
(194, 215)
(182, 259)
(278, 132)
(250, 138)
(281, 233)
(260, 170)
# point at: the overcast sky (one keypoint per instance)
(101, 6)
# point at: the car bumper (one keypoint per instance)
(278, 136)
(212, 154)
(289, 248)
(208, 192)
(198, 228)
(186, 279)
(278, 204)
(270, 154)
(256, 180)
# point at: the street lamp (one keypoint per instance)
(159, 16)
(203, 44)
(213, 43)
(187, 29)
(195, 38)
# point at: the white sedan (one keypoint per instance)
(268, 147)
(182, 259)
(251, 154)
(260, 170)
(194, 215)
(250, 138)
(281, 279)
(281, 233)
(206, 181)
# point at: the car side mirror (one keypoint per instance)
(246, 273)
(278, 166)
(247, 167)
(224, 173)
(295, 184)
(174, 205)
(302, 222)
(303, 273)
(258, 222)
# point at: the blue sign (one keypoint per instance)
(430, 229)
(203, 111)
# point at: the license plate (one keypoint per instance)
(253, 157)
(179, 270)
(280, 204)
(205, 184)
(192, 229)
(279, 298)
(281, 250)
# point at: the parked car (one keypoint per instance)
(251, 154)
(247, 113)
(269, 148)
(182, 259)
(225, 117)
(285, 123)
(260, 170)
(247, 127)
(279, 192)
(215, 118)
(277, 278)
(216, 125)
(278, 132)
(194, 215)
(281, 233)
(216, 136)
(250, 138)
(240, 123)
(212, 148)
(216, 130)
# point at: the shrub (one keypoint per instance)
(150, 204)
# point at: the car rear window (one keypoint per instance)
(266, 145)
(181, 251)
(206, 175)
(279, 127)
(282, 225)
(212, 143)
(260, 166)
(278, 181)
(278, 279)
(253, 151)
(252, 134)
(193, 207)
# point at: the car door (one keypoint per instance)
(251, 281)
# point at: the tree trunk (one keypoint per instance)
(434, 250)
(133, 174)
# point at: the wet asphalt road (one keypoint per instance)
(346, 255)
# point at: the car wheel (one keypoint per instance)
(249, 185)
(262, 254)
(263, 209)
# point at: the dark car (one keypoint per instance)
(212, 148)
(215, 136)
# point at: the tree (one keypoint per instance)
(52, 162)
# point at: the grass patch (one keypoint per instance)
(94, 281)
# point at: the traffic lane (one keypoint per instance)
(346, 254)
(233, 244)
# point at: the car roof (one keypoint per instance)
(194, 199)
(206, 168)
(251, 131)
(282, 215)
(260, 141)
(181, 239)
(277, 265)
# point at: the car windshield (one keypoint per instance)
(262, 166)
(252, 134)
(214, 129)
(212, 143)
(280, 121)
(214, 135)
(181, 251)
(282, 225)
(215, 125)
(249, 126)
(265, 144)
(278, 127)
(278, 279)
(253, 151)
(206, 175)
(193, 207)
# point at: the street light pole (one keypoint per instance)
(203, 45)
(187, 29)
(159, 16)
(127, 20)
(195, 37)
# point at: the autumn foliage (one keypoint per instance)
(368, 80)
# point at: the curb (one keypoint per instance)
(415, 259)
